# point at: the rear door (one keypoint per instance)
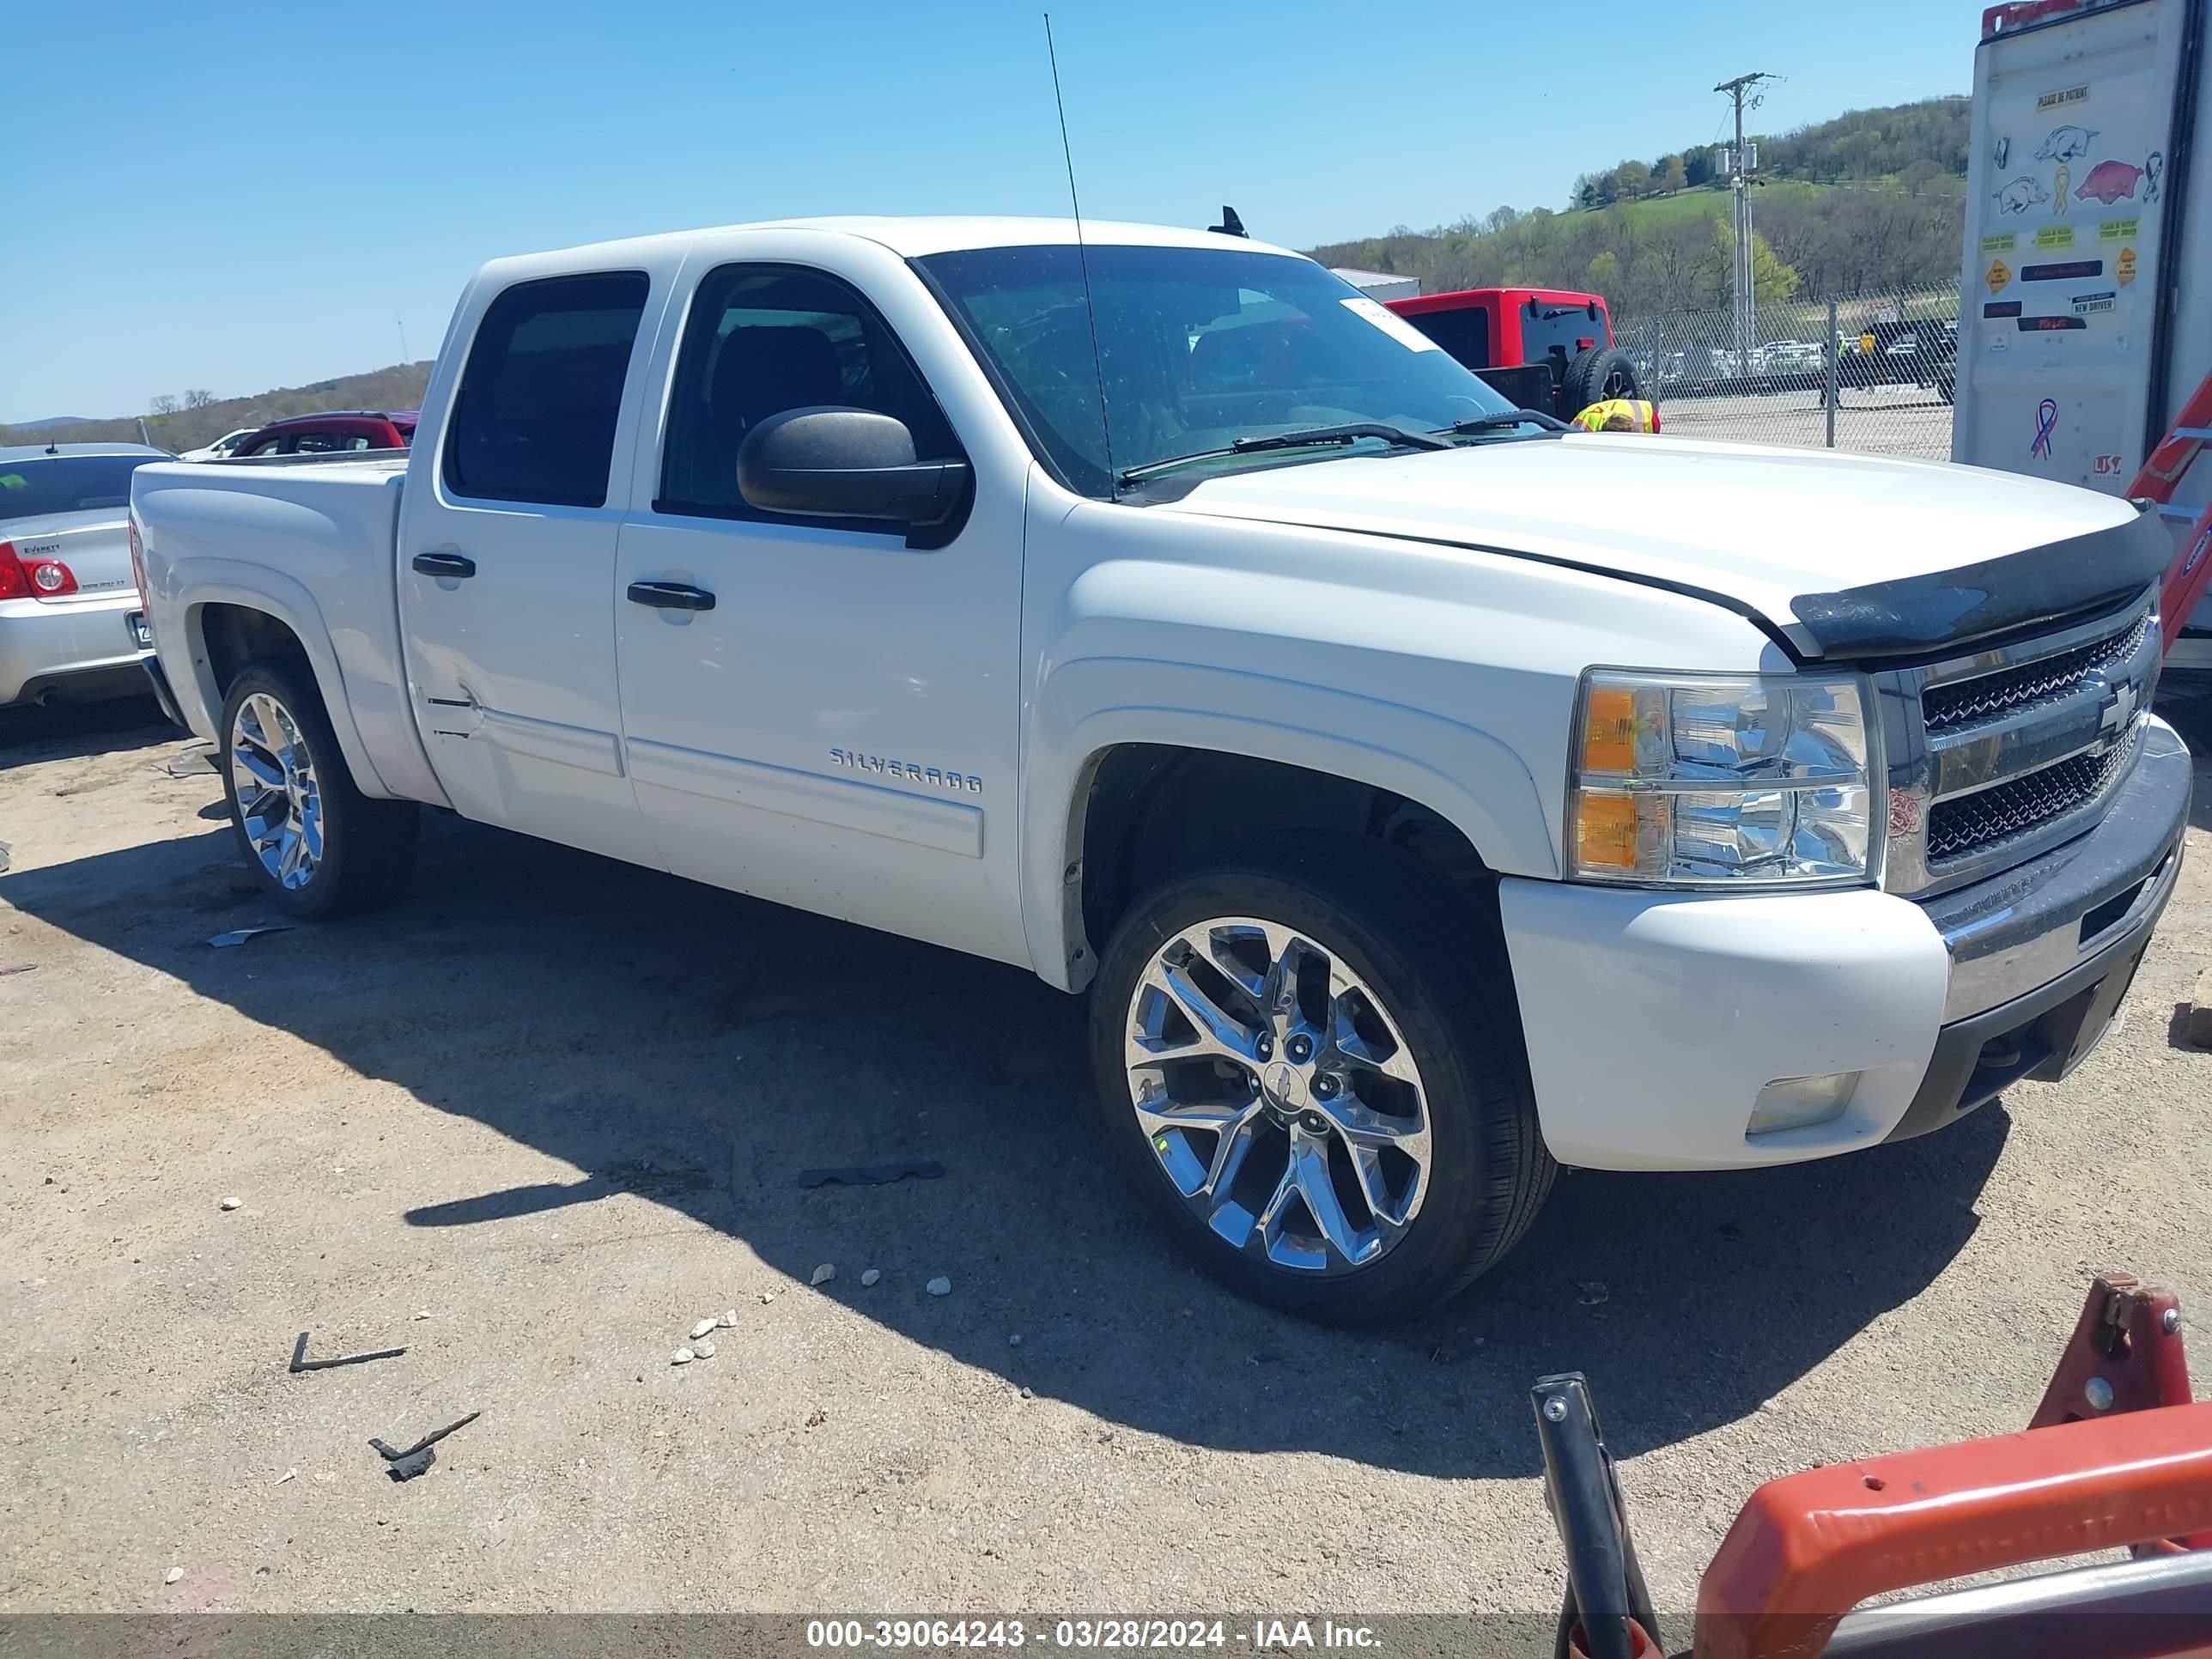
(2068, 192)
(506, 553)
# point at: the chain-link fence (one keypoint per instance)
(1889, 359)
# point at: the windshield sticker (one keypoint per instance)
(2064, 144)
(2108, 181)
(2117, 230)
(1997, 275)
(2059, 181)
(2055, 236)
(2050, 100)
(2072, 271)
(14, 481)
(1390, 323)
(2002, 154)
(2154, 171)
(2002, 241)
(2086, 303)
(2022, 194)
(2123, 268)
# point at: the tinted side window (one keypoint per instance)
(535, 418)
(762, 339)
(1465, 334)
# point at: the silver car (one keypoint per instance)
(71, 625)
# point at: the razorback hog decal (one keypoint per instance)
(2108, 181)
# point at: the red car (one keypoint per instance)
(335, 432)
(1546, 348)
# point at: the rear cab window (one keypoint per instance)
(541, 394)
(1551, 329)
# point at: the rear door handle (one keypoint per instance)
(445, 564)
(671, 595)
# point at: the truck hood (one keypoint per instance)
(1837, 555)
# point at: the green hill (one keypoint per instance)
(1869, 201)
(200, 419)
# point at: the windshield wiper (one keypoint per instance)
(1349, 432)
(1504, 418)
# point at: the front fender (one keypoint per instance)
(1086, 706)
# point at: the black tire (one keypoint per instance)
(367, 846)
(1595, 375)
(1440, 968)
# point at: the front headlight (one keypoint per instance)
(1697, 780)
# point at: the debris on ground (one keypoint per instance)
(729, 1319)
(192, 760)
(20, 967)
(870, 1175)
(872, 1275)
(824, 1274)
(817, 1418)
(231, 1203)
(289, 1474)
(682, 1356)
(939, 1285)
(1026, 1394)
(1015, 1340)
(172, 1575)
(240, 935)
(3, 854)
(422, 1312)
(767, 1297)
(418, 1457)
(2199, 1027)
(703, 1348)
(301, 1363)
(1594, 1293)
(702, 1328)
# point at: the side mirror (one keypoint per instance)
(834, 462)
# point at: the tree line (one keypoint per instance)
(1912, 143)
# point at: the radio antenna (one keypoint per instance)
(1082, 262)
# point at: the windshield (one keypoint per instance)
(1197, 347)
(67, 483)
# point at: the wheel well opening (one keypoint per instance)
(1153, 809)
(231, 637)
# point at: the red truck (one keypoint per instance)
(331, 432)
(1546, 348)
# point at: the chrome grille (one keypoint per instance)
(1997, 815)
(1994, 757)
(1946, 707)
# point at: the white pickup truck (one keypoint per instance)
(1424, 796)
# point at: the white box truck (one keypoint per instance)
(2085, 323)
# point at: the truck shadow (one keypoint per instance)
(702, 1049)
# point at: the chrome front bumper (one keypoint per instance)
(2015, 933)
(2043, 954)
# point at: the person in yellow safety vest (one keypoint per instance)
(1620, 415)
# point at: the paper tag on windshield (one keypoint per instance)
(1390, 323)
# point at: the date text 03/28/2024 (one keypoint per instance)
(1260, 1635)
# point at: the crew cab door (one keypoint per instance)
(506, 553)
(826, 716)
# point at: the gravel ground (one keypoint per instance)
(1881, 419)
(537, 1122)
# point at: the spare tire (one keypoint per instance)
(1595, 375)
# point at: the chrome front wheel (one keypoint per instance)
(1279, 1094)
(279, 796)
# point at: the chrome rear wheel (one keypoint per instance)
(279, 798)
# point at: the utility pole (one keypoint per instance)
(402, 326)
(1746, 300)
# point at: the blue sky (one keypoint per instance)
(242, 197)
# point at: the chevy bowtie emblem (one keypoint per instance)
(2121, 701)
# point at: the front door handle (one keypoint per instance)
(671, 595)
(445, 564)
